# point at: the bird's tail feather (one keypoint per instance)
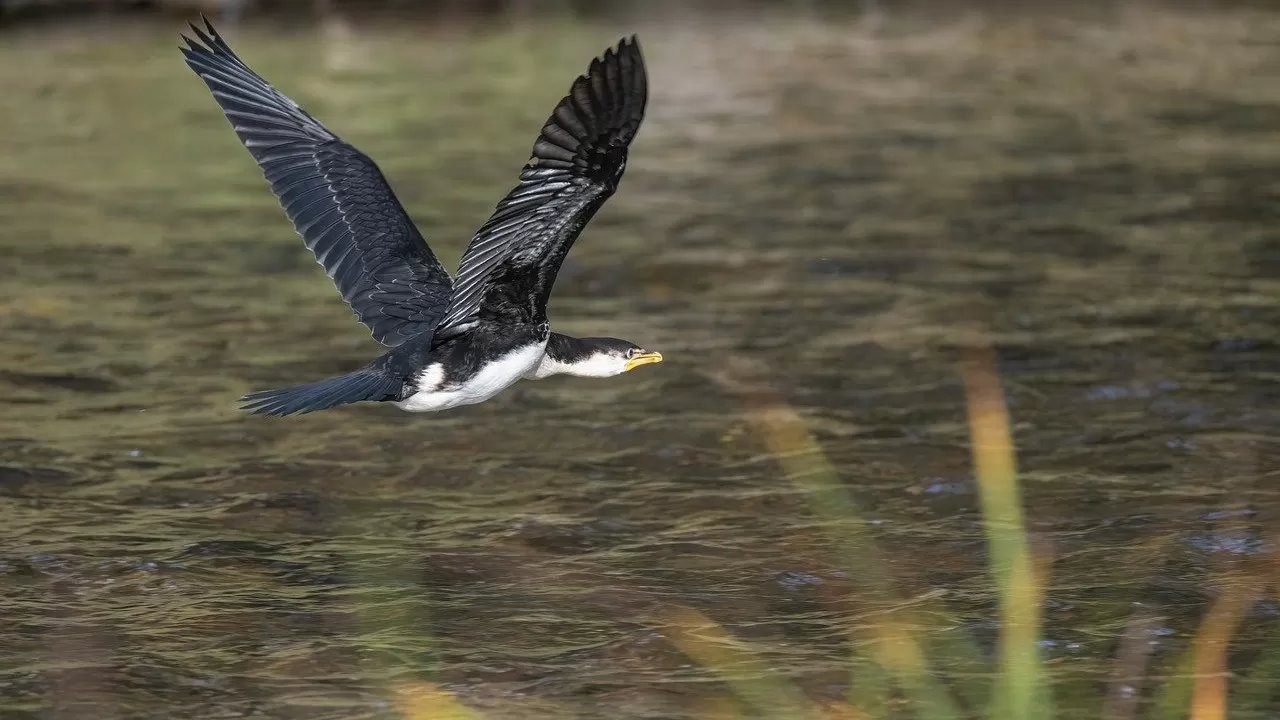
(363, 384)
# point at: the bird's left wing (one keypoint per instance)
(578, 159)
(335, 195)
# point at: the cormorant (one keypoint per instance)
(452, 341)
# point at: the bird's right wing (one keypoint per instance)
(577, 161)
(336, 197)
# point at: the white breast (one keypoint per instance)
(494, 377)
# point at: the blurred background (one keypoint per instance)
(969, 408)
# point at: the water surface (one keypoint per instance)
(842, 212)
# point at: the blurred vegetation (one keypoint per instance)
(230, 11)
(233, 10)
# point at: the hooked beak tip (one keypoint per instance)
(645, 358)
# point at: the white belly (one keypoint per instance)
(493, 378)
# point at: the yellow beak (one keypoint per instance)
(642, 359)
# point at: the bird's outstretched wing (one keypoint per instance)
(509, 267)
(336, 197)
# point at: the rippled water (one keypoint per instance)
(842, 212)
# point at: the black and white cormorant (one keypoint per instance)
(452, 341)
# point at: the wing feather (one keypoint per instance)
(577, 161)
(336, 197)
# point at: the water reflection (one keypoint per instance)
(851, 214)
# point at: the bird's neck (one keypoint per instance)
(564, 356)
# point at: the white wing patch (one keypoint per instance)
(431, 377)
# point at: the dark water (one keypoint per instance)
(844, 213)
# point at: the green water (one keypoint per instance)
(844, 212)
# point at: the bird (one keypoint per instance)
(450, 341)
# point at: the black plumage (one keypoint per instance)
(349, 217)
(507, 271)
(368, 383)
(336, 197)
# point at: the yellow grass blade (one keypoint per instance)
(1020, 694)
(713, 647)
(1209, 691)
(842, 711)
(787, 438)
(425, 701)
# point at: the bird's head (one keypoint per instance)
(593, 357)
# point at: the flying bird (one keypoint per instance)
(450, 341)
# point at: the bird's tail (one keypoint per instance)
(363, 384)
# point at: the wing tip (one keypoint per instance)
(622, 68)
(627, 48)
(207, 42)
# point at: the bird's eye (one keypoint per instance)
(632, 353)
